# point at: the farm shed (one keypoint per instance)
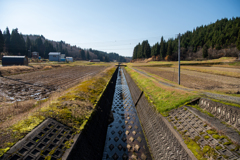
(14, 60)
(54, 56)
(63, 60)
(35, 55)
(69, 59)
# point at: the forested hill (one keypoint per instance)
(15, 43)
(215, 40)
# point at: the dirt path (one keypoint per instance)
(196, 80)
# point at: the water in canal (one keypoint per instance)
(125, 138)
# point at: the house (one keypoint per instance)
(69, 59)
(35, 55)
(54, 56)
(14, 60)
(62, 56)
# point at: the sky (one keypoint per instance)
(112, 25)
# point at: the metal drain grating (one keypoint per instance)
(125, 138)
(49, 136)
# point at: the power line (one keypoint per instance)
(114, 41)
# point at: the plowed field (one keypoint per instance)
(197, 80)
(39, 85)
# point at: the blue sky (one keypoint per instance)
(112, 25)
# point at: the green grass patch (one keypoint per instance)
(218, 147)
(206, 137)
(227, 103)
(206, 149)
(211, 131)
(201, 110)
(234, 64)
(216, 136)
(163, 99)
(194, 147)
(227, 143)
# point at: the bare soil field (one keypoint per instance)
(39, 85)
(197, 80)
(230, 72)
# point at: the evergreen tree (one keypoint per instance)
(169, 50)
(139, 51)
(48, 47)
(82, 53)
(39, 46)
(205, 51)
(1, 42)
(238, 41)
(22, 44)
(28, 44)
(162, 48)
(7, 36)
(155, 49)
(106, 59)
(88, 56)
(15, 42)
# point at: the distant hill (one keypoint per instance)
(215, 40)
(18, 44)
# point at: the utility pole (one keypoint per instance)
(179, 59)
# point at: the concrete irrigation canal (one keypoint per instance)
(124, 125)
(125, 138)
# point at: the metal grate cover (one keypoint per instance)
(48, 139)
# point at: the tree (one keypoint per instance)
(7, 35)
(155, 49)
(162, 48)
(82, 53)
(17, 43)
(238, 41)
(205, 51)
(139, 51)
(146, 49)
(1, 42)
(170, 49)
(106, 59)
(39, 46)
(28, 44)
(88, 56)
(48, 47)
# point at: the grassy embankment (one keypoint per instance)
(72, 109)
(162, 97)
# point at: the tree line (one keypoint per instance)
(221, 34)
(107, 57)
(14, 44)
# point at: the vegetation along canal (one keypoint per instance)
(125, 138)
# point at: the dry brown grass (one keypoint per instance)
(7, 111)
(213, 70)
(12, 70)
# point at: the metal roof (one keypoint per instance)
(54, 53)
(14, 56)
